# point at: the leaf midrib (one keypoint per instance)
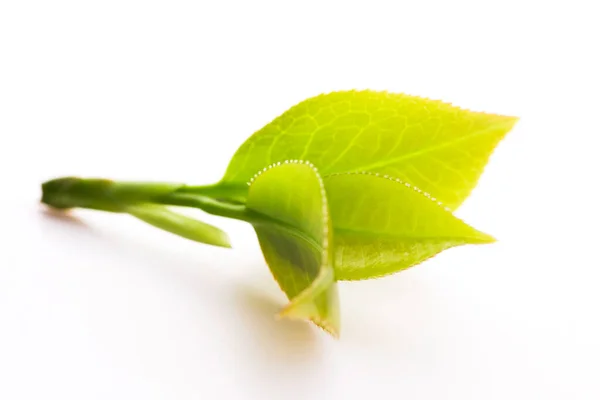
(425, 150)
(393, 237)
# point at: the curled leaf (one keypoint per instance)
(296, 248)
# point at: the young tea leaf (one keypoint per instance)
(382, 226)
(189, 228)
(299, 257)
(430, 144)
(391, 169)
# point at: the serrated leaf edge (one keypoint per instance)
(290, 310)
(397, 180)
(393, 93)
(428, 196)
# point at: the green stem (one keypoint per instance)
(234, 193)
(115, 196)
(228, 210)
(207, 204)
(101, 194)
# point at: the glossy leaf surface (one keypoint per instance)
(430, 144)
(382, 226)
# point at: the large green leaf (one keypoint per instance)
(383, 225)
(295, 239)
(430, 144)
(181, 225)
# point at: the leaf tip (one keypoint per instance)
(223, 241)
(300, 311)
(484, 238)
(293, 310)
(334, 331)
(511, 120)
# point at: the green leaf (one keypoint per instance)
(430, 144)
(189, 228)
(383, 225)
(296, 247)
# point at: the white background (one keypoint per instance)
(102, 306)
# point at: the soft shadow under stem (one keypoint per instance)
(278, 339)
